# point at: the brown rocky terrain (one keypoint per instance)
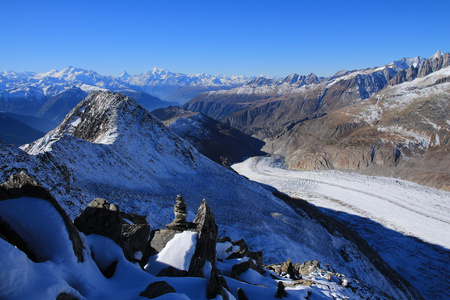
(402, 131)
(389, 121)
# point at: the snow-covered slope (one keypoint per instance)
(109, 147)
(408, 224)
(39, 261)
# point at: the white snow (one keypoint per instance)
(179, 250)
(397, 204)
(407, 224)
(44, 233)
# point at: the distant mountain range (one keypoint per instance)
(390, 120)
(53, 94)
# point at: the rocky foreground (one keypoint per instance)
(108, 254)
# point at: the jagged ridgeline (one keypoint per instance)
(107, 253)
(388, 121)
(109, 147)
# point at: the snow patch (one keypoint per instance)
(179, 250)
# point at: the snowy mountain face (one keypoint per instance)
(109, 147)
(46, 256)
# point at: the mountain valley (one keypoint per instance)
(376, 121)
(264, 153)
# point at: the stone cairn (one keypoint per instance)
(180, 223)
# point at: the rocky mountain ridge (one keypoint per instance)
(217, 141)
(110, 147)
(401, 131)
(267, 106)
(349, 121)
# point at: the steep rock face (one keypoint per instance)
(434, 63)
(217, 141)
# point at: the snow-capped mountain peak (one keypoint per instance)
(438, 54)
(406, 62)
(125, 75)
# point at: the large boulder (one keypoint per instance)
(23, 186)
(104, 218)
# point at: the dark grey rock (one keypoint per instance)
(21, 185)
(66, 296)
(205, 250)
(245, 252)
(425, 69)
(224, 239)
(104, 218)
(288, 268)
(134, 239)
(241, 294)
(240, 268)
(109, 270)
(281, 293)
(411, 73)
(172, 272)
(446, 60)
(157, 289)
(399, 78)
(159, 239)
(100, 217)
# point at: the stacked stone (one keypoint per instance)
(180, 223)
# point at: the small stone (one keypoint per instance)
(157, 289)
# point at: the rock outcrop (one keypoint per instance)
(156, 289)
(104, 218)
(205, 251)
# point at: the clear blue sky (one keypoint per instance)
(273, 38)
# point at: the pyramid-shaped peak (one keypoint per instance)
(103, 117)
(438, 54)
(125, 75)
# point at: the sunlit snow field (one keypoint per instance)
(399, 205)
(407, 224)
